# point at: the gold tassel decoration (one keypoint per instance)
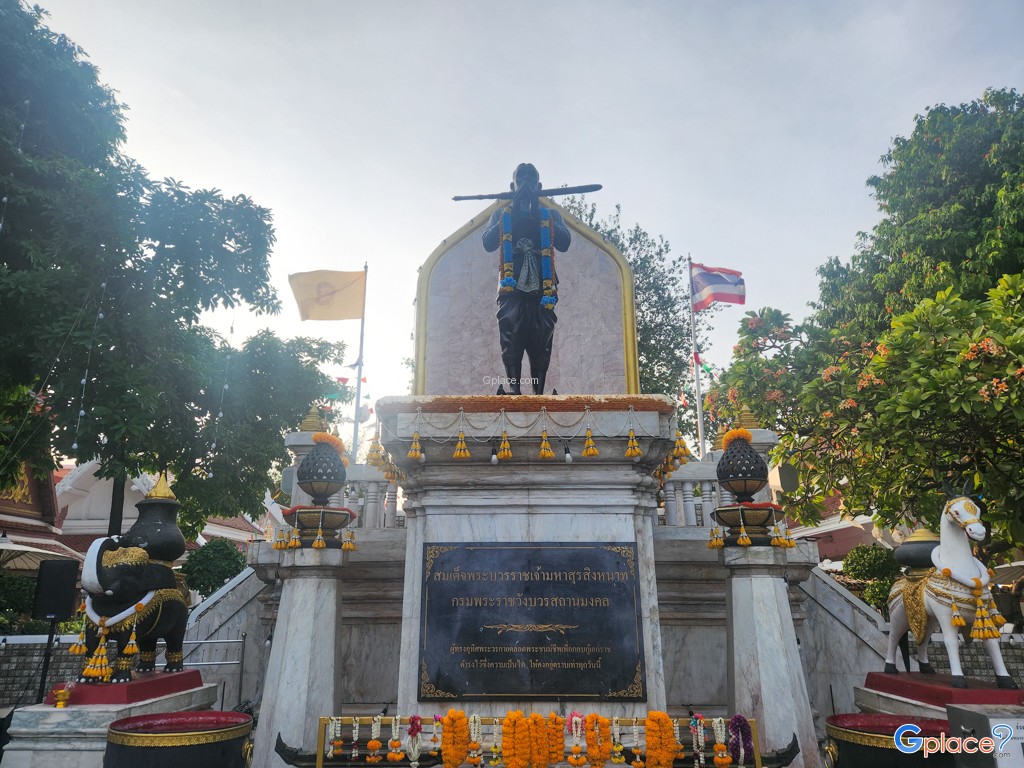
(632, 447)
(375, 458)
(98, 668)
(958, 620)
(133, 647)
(504, 448)
(589, 449)
(777, 539)
(716, 541)
(415, 451)
(349, 544)
(545, 446)
(743, 540)
(461, 451)
(294, 542)
(280, 542)
(997, 617)
(78, 647)
(983, 628)
(680, 452)
(318, 542)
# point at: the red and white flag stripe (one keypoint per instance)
(711, 284)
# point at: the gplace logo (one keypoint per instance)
(908, 741)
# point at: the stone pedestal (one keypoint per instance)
(526, 499)
(301, 683)
(43, 736)
(766, 678)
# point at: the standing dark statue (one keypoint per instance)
(527, 234)
(132, 595)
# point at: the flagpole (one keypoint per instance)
(696, 364)
(359, 368)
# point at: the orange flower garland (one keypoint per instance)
(454, 738)
(661, 743)
(332, 440)
(599, 740)
(374, 744)
(515, 740)
(539, 752)
(576, 757)
(556, 738)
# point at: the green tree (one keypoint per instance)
(906, 375)
(662, 287)
(208, 568)
(103, 276)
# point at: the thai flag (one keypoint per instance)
(711, 284)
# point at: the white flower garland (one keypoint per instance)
(355, 737)
(697, 730)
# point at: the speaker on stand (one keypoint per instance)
(56, 598)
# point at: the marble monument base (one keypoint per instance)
(766, 677)
(43, 736)
(914, 693)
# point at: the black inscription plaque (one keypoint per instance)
(546, 620)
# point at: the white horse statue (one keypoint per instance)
(956, 591)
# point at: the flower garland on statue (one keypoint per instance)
(515, 740)
(599, 740)
(549, 277)
(576, 757)
(741, 739)
(454, 738)
(395, 753)
(415, 732)
(661, 747)
(697, 732)
(475, 737)
(617, 749)
(539, 752)
(638, 760)
(556, 738)
(374, 744)
(722, 758)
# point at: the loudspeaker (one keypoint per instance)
(56, 590)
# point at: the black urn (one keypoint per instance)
(322, 473)
(741, 470)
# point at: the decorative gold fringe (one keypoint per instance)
(983, 627)
(461, 451)
(504, 448)
(98, 667)
(545, 446)
(589, 449)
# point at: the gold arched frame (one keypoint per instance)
(632, 364)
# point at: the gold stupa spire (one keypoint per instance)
(162, 489)
(313, 422)
(745, 420)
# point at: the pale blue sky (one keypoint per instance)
(741, 131)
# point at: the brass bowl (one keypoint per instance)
(310, 519)
(752, 519)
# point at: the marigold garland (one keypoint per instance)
(661, 743)
(332, 440)
(454, 738)
(556, 738)
(736, 434)
(515, 740)
(599, 740)
(539, 752)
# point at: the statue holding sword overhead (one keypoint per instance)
(526, 236)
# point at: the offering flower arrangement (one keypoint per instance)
(536, 741)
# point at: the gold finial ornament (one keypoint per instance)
(313, 422)
(162, 489)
